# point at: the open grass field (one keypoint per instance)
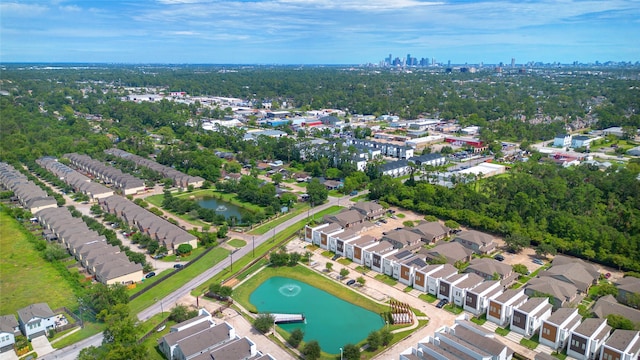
(25, 277)
(301, 273)
(166, 287)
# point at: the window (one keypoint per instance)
(516, 319)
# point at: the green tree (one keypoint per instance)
(374, 341)
(343, 273)
(361, 280)
(317, 192)
(263, 322)
(351, 352)
(225, 292)
(328, 266)
(605, 289)
(311, 350)
(184, 249)
(182, 313)
(620, 322)
(452, 224)
(520, 269)
(92, 353)
(544, 249)
(296, 337)
(385, 336)
(516, 242)
(277, 178)
(222, 231)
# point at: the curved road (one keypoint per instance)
(71, 352)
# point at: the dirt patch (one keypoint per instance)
(231, 282)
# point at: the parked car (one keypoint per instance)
(499, 257)
(150, 275)
(384, 221)
(159, 256)
(538, 261)
(442, 303)
(351, 282)
(178, 266)
(354, 193)
(335, 257)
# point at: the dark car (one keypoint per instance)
(499, 257)
(538, 261)
(335, 257)
(442, 303)
(178, 266)
(384, 221)
(351, 282)
(150, 275)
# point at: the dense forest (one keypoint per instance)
(582, 211)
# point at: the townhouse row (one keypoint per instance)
(201, 338)
(29, 195)
(589, 340)
(126, 183)
(157, 228)
(107, 263)
(79, 183)
(180, 179)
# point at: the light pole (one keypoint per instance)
(253, 243)
(161, 307)
(231, 255)
(340, 353)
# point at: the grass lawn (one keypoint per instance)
(530, 343)
(408, 289)
(166, 287)
(194, 253)
(502, 331)
(26, 277)
(151, 343)
(237, 243)
(89, 330)
(344, 261)
(388, 280)
(558, 355)
(362, 269)
(362, 197)
(453, 309)
(271, 224)
(301, 273)
(479, 320)
(400, 215)
(327, 254)
(428, 298)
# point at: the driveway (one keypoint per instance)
(8, 355)
(41, 345)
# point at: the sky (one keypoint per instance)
(318, 31)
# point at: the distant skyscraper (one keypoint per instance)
(448, 63)
(513, 62)
(408, 62)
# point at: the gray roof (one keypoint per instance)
(39, 310)
(589, 327)
(629, 284)
(532, 304)
(489, 266)
(174, 337)
(204, 340)
(560, 315)
(453, 251)
(476, 237)
(486, 343)
(608, 305)
(559, 289)
(8, 323)
(235, 350)
(430, 230)
(621, 339)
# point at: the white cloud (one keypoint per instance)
(21, 10)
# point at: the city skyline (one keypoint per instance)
(319, 31)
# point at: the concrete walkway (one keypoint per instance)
(41, 345)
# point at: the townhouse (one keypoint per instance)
(354, 250)
(586, 339)
(127, 183)
(428, 278)
(555, 330)
(528, 317)
(431, 232)
(477, 299)
(501, 308)
(573, 271)
(369, 209)
(405, 270)
(180, 179)
(462, 341)
(621, 345)
(403, 238)
(478, 242)
(628, 289)
(201, 338)
(77, 181)
(374, 255)
(338, 243)
(450, 252)
(491, 269)
(159, 229)
(608, 305)
(561, 293)
(459, 289)
(29, 195)
(346, 218)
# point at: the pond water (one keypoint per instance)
(222, 207)
(331, 321)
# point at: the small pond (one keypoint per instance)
(222, 207)
(331, 321)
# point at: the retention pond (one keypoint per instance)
(329, 320)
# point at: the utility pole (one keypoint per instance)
(253, 243)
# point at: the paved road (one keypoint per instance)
(71, 352)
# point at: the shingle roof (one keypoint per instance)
(8, 323)
(39, 310)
